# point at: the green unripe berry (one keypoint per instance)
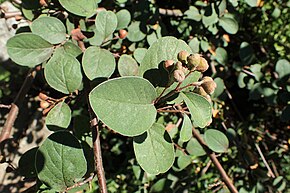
(193, 61)
(178, 75)
(203, 65)
(196, 62)
(182, 56)
(208, 85)
(178, 65)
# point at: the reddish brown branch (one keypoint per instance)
(215, 161)
(99, 169)
(7, 129)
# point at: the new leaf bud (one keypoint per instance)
(182, 56)
(208, 85)
(178, 75)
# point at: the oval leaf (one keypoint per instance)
(125, 104)
(134, 32)
(85, 8)
(154, 150)
(230, 25)
(194, 148)
(59, 116)
(185, 132)
(139, 54)
(28, 49)
(60, 161)
(72, 49)
(106, 24)
(127, 66)
(49, 28)
(63, 72)
(124, 18)
(98, 62)
(221, 56)
(165, 48)
(199, 107)
(246, 53)
(216, 140)
(283, 68)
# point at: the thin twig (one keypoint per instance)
(189, 85)
(7, 129)
(12, 14)
(2, 106)
(265, 161)
(215, 161)
(204, 170)
(89, 179)
(181, 149)
(174, 111)
(176, 90)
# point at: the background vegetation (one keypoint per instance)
(246, 43)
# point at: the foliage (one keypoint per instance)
(146, 110)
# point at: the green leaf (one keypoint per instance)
(127, 66)
(183, 160)
(98, 62)
(59, 116)
(246, 53)
(154, 150)
(28, 49)
(210, 17)
(229, 24)
(220, 87)
(49, 28)
(85, 8)
(139, 54)
(63, 72)
(252, 3)
(134, 32)
(283, 68)
(162, 185)
(106, 23)
(185, 132)
(199, 107)
(192, 14)
(72, 49)
(125, 104)
(216, 140)
(165, 48)
(60, 161)
(194, 148)
(124, 18)
(194, 45)
(221, 56)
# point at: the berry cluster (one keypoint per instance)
(188, 63)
